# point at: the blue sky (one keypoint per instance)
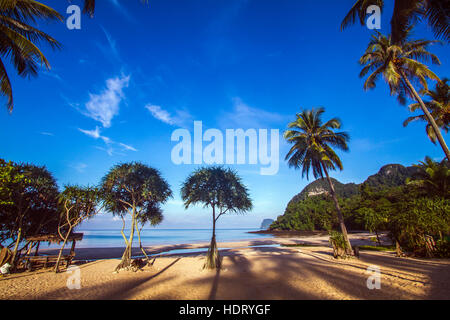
(228, 63)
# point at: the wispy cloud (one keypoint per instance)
(244, 116)
(47, 134)
(159, 113)
(110, 150)
(80, 167)
(103, 107)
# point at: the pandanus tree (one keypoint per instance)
(439, 107)
(312, 148)
(401, 66)
(153, 216)
(19, 41)
(133, 189)
(221, 190)
(77, 204)
(405, 14)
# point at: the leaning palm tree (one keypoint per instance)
(19, 40)
(406, 13)
(223, 191)
(401, 66)
(439, 107)
(312, 147)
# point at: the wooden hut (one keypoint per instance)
(31, 261)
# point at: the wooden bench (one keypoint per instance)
(34, 261)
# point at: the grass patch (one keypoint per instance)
(377, 248)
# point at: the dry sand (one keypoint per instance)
(247, 273)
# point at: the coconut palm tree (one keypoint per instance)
(432, 177)
(312, 148)
(439, 107)
(223, 191)
(401, 65)
(406, 13)
(19, 40)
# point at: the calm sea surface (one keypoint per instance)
(113, 238)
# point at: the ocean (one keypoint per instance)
(109, 238)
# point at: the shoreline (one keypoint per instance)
(100, 253)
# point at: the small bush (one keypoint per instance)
(339, 244)
(442, 249)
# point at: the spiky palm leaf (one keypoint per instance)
(19, 40)
(384, 58)
(313, 142)
(439, 107)
(406, 14)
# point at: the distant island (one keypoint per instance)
(266, 224)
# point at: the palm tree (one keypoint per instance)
(312, 142)
(439, 107)
(19, 40)
(134, 189)
(432, 177)
(406, 13)
(223, 191)
(399, 65)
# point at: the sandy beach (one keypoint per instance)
(256, 269)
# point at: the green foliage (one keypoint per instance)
(337, 239)
(313, 142)
(28, 200)
(377, 248)
(19, 40)
(442, 249)
(216, 187)
(432, 178)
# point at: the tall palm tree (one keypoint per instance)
(312, 147)
(19, 40)
(400, 65)
(439, 107)
(406, 13)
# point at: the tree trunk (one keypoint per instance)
(126, 257)
(16, 246)
(212, 257)
(433, 124)
(339, 212)
(61, 250)
(140, 245)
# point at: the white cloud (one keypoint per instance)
(47, 134)
(104, 107)
(164, 116)
(127, 147)
(244, 116)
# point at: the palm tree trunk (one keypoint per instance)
(339, 212)
(433, 124)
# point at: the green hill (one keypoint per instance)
(312, 209)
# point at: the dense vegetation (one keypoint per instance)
(410, 211)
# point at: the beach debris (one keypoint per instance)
(138, 264)
(5, 268)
